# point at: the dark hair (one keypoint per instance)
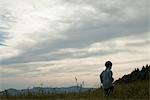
(108, 64)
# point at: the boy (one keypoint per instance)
(107, 79)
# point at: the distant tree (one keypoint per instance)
(138, 70)
(143, 68)
(147, 66)
(6, 93)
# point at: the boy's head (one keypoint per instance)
(108, 64)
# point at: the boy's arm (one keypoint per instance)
(101, 79)
(111, 74)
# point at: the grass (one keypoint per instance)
(134, 91)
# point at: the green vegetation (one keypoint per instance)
(137, 90)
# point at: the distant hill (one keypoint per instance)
(46, 90)
(136, 75)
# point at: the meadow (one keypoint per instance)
(138, 90)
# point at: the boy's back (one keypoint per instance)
(106, 78)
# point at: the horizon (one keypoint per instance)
(52, 42)
(75, 85)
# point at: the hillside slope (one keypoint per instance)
(136, 75)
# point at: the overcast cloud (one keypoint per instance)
(52, 41)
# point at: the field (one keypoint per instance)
(137, 90)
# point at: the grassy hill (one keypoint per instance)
(132, 86)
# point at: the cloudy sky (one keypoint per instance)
(52, 41)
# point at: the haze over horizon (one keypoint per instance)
(54, 41)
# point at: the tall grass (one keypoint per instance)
(137, 90)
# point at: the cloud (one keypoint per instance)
(83, 60)
(115, 45)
